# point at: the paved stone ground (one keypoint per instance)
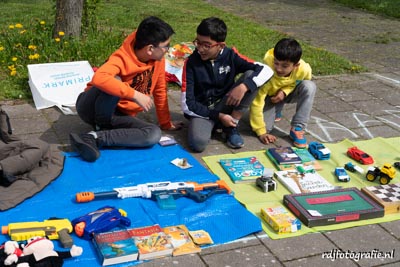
(356, 107)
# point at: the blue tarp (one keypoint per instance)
(221, 215)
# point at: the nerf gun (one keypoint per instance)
(101, 220)
(163, 192)
(53, 228)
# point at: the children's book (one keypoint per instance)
(152, 242)
(308, 182)
(115, 247)
(201, 237)
(284, 155)
(283, 166)
(242, 170)
(307, 159)
(181, 241)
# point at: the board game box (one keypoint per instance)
(332, 207)
(387, 195)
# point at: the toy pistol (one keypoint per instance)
(52, 228)
(163, 192)
(100, 220)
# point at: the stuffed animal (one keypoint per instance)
(39, 252)
(8, 252)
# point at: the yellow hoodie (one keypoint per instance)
(134, 75)
(276, 83)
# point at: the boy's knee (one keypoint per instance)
(198, 145)
(309, 86)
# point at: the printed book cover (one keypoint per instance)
(152, 242)
(242, 170)
(115, 247)
(284, 155)
(281, 167)
(297, 182)
(181, 241)
(307, 159)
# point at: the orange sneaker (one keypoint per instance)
(297, 134)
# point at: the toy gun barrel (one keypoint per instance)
(89, 196)
(52, 228)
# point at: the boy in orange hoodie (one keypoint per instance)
(131, 81)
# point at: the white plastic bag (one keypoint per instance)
(58, 84)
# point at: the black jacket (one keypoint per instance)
(205, 83)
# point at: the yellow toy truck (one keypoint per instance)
(385, 174)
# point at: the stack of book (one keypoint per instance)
(143, 243)
(286, 158)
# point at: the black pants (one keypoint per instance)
(99, 109)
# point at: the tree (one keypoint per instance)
(68, 17)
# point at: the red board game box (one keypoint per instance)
(332, 207)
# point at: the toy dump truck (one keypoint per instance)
(385, 174)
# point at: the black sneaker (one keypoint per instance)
(85, 145)
(233, 138)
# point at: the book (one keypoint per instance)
(181, 241)
(387, 195)
(284, 155)
(281, 167)
(307, 159)
(115, 247)
(280, 219)
(167, 140)
(332, 207)
(242, 170)
(201, 237)
(152, 242)
(308, 182)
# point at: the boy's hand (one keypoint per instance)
(267, 138)
(236, 95)
(143, 100)
(227, 120)
(280, 95)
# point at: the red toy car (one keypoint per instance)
(359, 155)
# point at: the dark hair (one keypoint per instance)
(213, 27)
(152, 30)
(288, 49)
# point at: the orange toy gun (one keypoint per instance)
(52, 228)
(164, 192)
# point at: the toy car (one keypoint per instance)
(359, 155)
(397, 164)
(319, 151)
(353, 168)
(385, 174)
(341, 174)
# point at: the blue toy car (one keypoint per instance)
(341, 174)
(319, 151)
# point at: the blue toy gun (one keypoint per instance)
(98, 221)
(164, 192)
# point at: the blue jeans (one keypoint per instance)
(99, 109)
(303, 94)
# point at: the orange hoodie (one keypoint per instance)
(147, 78)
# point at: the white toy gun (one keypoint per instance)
(163, 192)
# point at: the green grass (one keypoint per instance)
(116, 19)
(389, 8)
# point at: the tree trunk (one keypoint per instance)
(68, 18)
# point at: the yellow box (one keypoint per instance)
(280, 219)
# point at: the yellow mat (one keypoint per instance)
(383, 150)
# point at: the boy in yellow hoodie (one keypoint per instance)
(291, 83)
(131, 81)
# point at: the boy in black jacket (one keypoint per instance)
(211, 96)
